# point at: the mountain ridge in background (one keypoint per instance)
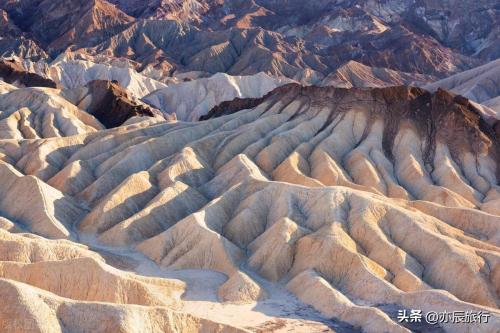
(319, 37)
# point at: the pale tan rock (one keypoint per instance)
(43, 210)
(272, 253)
(169, 206)
(120, 204)
(30, 113)
(27, 248)
(6, 87)
(313, 289)
(347, 197)
(29, 309)
(192, 244)
(240, 288)
(8, 225)
(87, 279)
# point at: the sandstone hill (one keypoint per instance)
(248, 165)
(41, 112)
(29, 113)
(74, 73)
(179, 47)
(58, 24)
(14, 41)
(351, 200)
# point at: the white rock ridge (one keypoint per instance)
(31, 113)
(77, 73)
(193, 99)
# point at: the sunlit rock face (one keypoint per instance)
(193, 99)
(248, 165)
(344, 200)
(468, 26)
(302, 41)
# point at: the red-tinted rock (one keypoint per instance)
(13, 73)
(112, 105)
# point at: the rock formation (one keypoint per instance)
(481, 84)
(330, 193)
(61, 23)
(30, 113)
(475, 33)
(355, 74)
(193, 99)
(13, 73)
(73, 73)
(248, 165)
(109, 103)
(68, 287)
(254, 50)
(15, 42)
(304, 42)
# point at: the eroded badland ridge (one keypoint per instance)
(249, 166)
(278, 189)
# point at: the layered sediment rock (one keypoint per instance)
(350, 198)
(31, 113)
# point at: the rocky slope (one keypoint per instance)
(327, 192)
(55, 25)
(302, 42)
(29, 113)
(73, 70)
(41, 112)
(109, 102)
(179, 47)
(190, 96)
(475, 33)
(237, 200)
(355, 74)
(13, 73)
(193, 99)
(52, 274)
(481, 84)
(75, 73)
(14, 41)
